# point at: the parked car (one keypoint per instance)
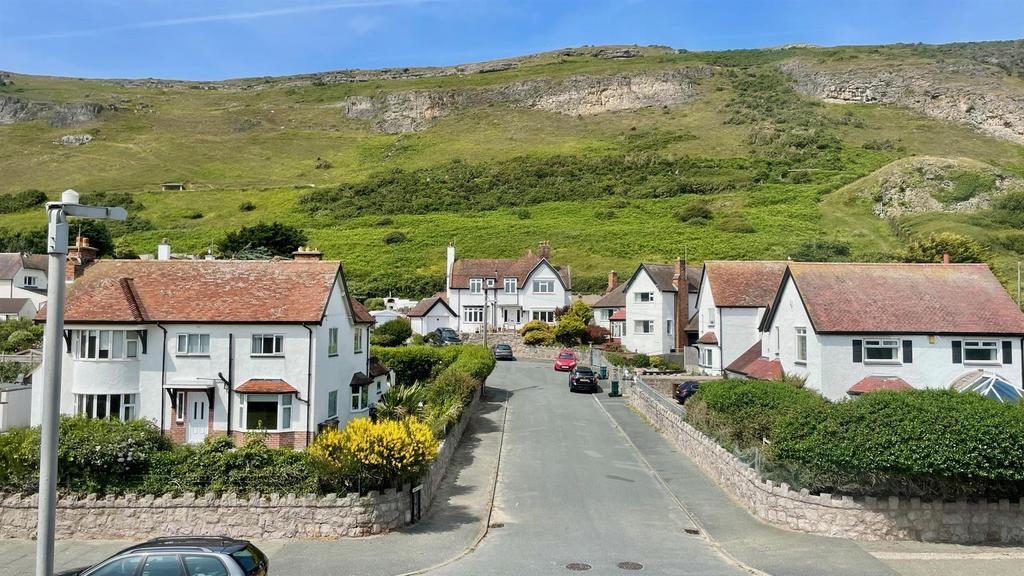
(447, 337)
(565, 361)
(582, 378)
(684, 390)
(182, 556)
(503, 352)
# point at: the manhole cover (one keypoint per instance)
(692, 531)
(497, 525)
(578, 566)
(630, 565)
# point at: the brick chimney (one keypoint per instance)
(544, 249)
(79, 256)
(307, 253)
(682, 306)
(613, 280)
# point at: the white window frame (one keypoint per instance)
(543, 315)
(360, 399)
(332, 396)
(643, 297)
(29, 281)
(285, 405)
(117, 344)
(128, 409)
(277, 344)
(544, 286)
(473, 314)
(706, 357)
(668, 327)
(476, 285)
(990, 345)
(179, 407)
(801, 344)
(511, 286)
(332, 341)
(643, 327)
(618, 327)
(185, 340)
(882, 344)
(711, 317)
(357, 341)
(490, 282)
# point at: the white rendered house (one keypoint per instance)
(513, 292)
(657, 308)
(203, 347)
(731, 302)
(23, 276)
(432, 313)
(853, 328)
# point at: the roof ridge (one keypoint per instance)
(134, 304)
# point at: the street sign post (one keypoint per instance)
(57, 250)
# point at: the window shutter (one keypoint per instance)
(908, 351)
(958, 352)
(1007, 352)
(858, 351)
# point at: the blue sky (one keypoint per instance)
(215, 39)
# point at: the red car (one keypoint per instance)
(565, 361)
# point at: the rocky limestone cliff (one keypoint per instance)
(968, 93)
(13, 110)
(415, 110)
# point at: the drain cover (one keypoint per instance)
(578, 566)
(630, 565)
(692, 531)
(497, 525)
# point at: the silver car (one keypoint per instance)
(182, 556)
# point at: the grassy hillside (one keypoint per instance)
(777, 170)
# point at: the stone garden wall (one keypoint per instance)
(520, 350)
(256, 517)
(865, 518)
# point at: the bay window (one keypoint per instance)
(473, 314)
(543, 315)
(106, 344)
(360, 398)
(270, 412)
(114, 406)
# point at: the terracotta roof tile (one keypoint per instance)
(872, 383)
(423, 307)
(202, 291)
(500, 268)
(906, 298)
(377, 368)
(362, 315)
(708, 338)
(752, 365)
(618, 315)
(744, 284)
(266, 386)
(360, 379)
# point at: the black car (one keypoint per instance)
(503, 352)
(683, 391)
(582, 378)
(182, 556)
(447, 337)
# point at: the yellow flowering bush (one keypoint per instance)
(378, 453)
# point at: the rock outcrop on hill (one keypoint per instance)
(414, 110)
(969, 93)
(13, 110)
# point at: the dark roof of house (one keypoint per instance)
(616, 298)
(500, 268)
(744, 284)
(694, 323)
(377, 368)
(266, 386)
(12, 305)
(872, 383)
(11, 262)
(423, 307)
(205, 291)
(708, 338)
(905, 299)
(662, 275)
(360, 379)
(360, 313)
(752, 365)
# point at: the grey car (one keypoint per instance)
(182, 556)
(503, 352)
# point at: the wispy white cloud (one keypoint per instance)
(233, 16)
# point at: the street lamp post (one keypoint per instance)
(57, 250)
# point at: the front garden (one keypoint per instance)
(931, 444)
(435, 385)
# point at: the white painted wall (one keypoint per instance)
(601, 317)
(830, 368)
(16, 288)
(660, 309)
(736, 330)
(15, 408)
(525, 298)
(437, 317)
(707, 321)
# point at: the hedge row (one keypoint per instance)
(923, 443)
(417, 363)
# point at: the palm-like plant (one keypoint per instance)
(399, 402)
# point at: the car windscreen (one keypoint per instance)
(566, 356)
(585, 372)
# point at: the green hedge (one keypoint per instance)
(417, 363)
(477, 361)
(930, 443)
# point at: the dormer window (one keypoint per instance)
(30, 282)
(476, 285)
(490, 282)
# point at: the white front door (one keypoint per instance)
(198, 417)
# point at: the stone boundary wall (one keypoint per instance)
(867, 518)
(256, 517)
(519, 349)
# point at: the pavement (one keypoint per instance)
(579, 482)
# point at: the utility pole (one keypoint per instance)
(57, 250)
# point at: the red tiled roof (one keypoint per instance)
(360, 379)
(708, 338)
(377, 368)
(266, 386)
(906, 298)
(202, 291)
(618, 315)
(744, 284)
(872, 383)
(519, 268)
(423, 307)
(362, 315)
(752, 365)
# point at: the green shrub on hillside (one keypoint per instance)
(246, 206)
(736, 224)
(960, 249)
(696, 213)
(394, 237)
(21, 201)
(276, 238)
(965, 185)
(822, 251)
